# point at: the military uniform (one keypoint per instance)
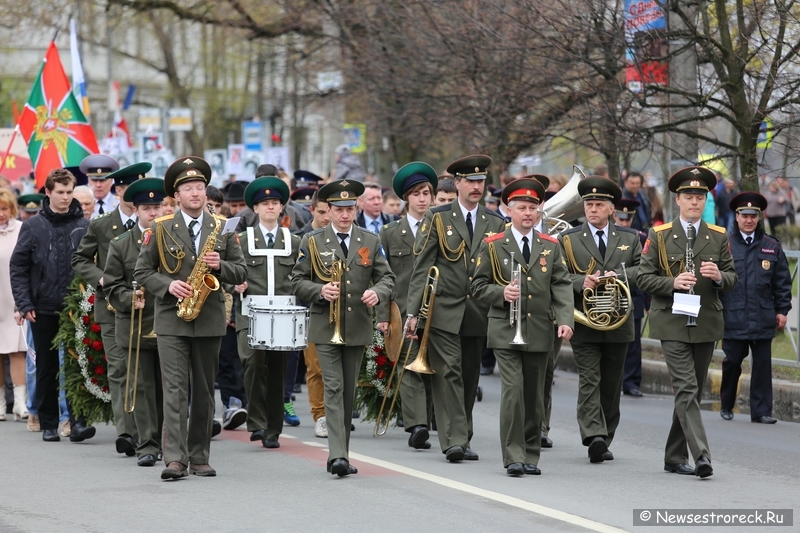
(89, 261)
(264, 371)
(148, 411)
(458, 322)
(189, 351)
(397, 238)
(365, 268)
(600, 355)
(545, 297)
(687, 350)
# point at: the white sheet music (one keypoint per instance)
(686, 304)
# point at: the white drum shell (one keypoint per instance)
(274, 328)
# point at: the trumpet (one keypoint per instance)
(420, 364)
(515, 315)
(130, 397)
(335, 318)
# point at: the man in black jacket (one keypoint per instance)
(41, 271)
(754, 309)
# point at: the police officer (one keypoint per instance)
(594, 250)
(89, 261)
(365, 282)
(414, 183)
(265, 370)
(543, 293)
(632, 375)
(188, 350)
(146, 195)
(754, 308)
(449, 239)
(687, 349)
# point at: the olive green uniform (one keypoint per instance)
(264, 370)
(687, 350)
(366, 268)
(118, 278)
(189, 351)
(415, 389)
(545, 297)
(458, 321)
(89, 261)
(600, 355)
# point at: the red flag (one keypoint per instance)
(52, 123)
(120, 131)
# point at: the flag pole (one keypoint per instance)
(8, 148)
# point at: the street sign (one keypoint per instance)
(355, 137)
(179, 119)
(149, 119)
(330, 81)
(765, 134)
(252, 135)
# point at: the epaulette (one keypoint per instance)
(101, 217)
(365, 230)
(548, 237)
(663, 227)
(164, 218)
(508, 224)
(243, 234)
(441, 208)
(773, 237)
(718, 229)
(122, 236)
(495, 237)
(392, 224)
(315, 232)
(495, 214)
(627, 230)
(576, 229)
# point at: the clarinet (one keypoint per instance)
(691, 321)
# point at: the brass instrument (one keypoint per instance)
(608, 305)
(565, 205)
(201, 279)
(130, 397)
(337, 269)
(515, 315)
(691, 233)
(420, 364)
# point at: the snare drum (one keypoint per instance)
(277, 328)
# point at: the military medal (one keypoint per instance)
(449, 231)
(543, 262)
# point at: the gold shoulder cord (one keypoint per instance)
(319, 268)
(497, 272)
(571, 258)
(178, 255)
(662, 257)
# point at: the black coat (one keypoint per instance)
(383, 219)
(764, 288)
(41, 265)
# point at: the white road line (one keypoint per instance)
(315, 444)
(287, 436)
(491, 495)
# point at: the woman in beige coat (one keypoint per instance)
(12, 333)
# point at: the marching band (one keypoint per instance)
(460, 276)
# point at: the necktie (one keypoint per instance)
(129, 224)
(749, 240)
(270, 240)
(375, 226)
(100, 211)
(601, 244)
(193, 235)
(526, 250)
(469, 226)
(342, 238)
(416, 228)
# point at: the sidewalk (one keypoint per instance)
(656, 380)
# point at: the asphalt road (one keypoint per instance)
(87, 487)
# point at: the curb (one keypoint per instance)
(656, 380)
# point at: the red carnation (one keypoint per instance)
(95, 327)
(94, 381)
(99, 370)
(380, 374)
(90, 358)
(378, 349)
(381, 360)
(87, 341)
(97, 346)
(85, 319)
(91, 300)
(392, 363)
(105, 389)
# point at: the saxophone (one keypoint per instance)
(201, 279)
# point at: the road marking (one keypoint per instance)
(491, 495)
(315, 444)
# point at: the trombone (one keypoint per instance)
(130, 398)
(515, 315)
(335, 317)
(420, 364)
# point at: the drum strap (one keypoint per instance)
(270, 254)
